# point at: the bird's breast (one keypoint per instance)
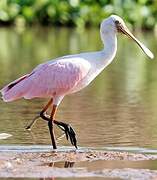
(97, 67)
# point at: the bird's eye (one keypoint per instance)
(117, 22)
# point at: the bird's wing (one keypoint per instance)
(48, 79)
(56, 77)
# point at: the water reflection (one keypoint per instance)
(118, 108)
(67, 164)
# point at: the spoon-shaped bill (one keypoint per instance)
(126, 31)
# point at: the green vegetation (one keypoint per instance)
(80, 13)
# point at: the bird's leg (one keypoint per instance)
(68, 130)
(38, 116)
(51, 127)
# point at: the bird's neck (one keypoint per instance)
(109, 40)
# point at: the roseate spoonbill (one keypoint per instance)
(68, 74)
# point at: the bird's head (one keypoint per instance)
(116, 24)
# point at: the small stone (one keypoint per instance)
(8, 165)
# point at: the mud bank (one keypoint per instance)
(64, 164)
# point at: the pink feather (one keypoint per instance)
(54, 78)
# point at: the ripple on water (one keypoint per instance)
(48, 148)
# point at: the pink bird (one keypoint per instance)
(68, 74)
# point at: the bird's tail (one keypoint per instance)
(13, 90)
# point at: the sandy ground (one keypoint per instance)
(43, 164)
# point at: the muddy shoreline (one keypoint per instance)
(63, 163)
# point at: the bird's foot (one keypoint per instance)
(69, 132)
(42, 115)
(29, 126)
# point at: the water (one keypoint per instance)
(118, 109)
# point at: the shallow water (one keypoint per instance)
(118, 109)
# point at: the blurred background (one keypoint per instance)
(79, 13)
